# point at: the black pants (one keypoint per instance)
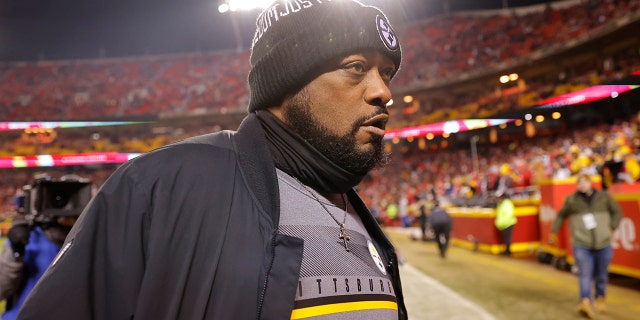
(423, 226)
(441, 233)
(506, 237)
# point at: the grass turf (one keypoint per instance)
(512, 287)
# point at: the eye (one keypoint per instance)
(387, 73)
(356, 66)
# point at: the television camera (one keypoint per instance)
(46, 200)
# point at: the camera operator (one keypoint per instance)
(32, 245)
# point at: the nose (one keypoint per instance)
(377, 92)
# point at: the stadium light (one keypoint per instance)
(237, 5)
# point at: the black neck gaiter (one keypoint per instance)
(295, 156)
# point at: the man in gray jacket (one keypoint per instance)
(261, 223)
(594, 215)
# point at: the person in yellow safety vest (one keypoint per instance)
(505, 219)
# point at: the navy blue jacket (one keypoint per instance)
(188, 231)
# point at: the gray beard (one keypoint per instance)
(341, 150)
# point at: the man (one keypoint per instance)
(594, 215)
(505, 219)
(441, 223)
(262, 223)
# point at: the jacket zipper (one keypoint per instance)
(266, 278)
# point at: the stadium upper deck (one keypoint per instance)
(444, 50)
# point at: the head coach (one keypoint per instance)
(258, 223)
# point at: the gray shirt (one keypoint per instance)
(334, 283)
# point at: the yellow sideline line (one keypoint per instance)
(553, 250)
(342, 307)
(497, 248)
(489, 213)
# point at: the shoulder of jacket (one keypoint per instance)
(211, 141)
(220, 138)
(206, 151)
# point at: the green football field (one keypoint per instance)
(510, 287)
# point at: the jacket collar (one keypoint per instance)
(257, 165)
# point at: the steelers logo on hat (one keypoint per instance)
(386, 33)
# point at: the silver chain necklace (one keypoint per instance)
(343, 234)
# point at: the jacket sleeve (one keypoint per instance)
(615, 211)
(563, 213)
(97, 273)
(10, 273)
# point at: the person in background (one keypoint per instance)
(505, 220)
(423, 216)
(26, 256)
(441, 224)
(593, 217)
(504, 181)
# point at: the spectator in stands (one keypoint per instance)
(215, 227)
(594, 215)
(441, 224)
(505, 219)
(504, 181)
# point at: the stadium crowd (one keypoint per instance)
(116, 88)
(437, 49)
(610, 151)
(448, 46)
(448, 170)
(488, 101)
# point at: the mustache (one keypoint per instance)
(362, 120)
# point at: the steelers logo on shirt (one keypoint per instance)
(377, 260)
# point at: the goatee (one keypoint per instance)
(341, 150)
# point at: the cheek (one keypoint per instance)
(340, 124)
(338, 118)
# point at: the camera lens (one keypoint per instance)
(58, 201)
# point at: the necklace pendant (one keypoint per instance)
(344, 237)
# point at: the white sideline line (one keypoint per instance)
(426, 298)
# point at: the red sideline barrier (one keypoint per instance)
(552, 196)
(474, 228)
(626, 243)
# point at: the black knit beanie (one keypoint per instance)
(295, 37)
